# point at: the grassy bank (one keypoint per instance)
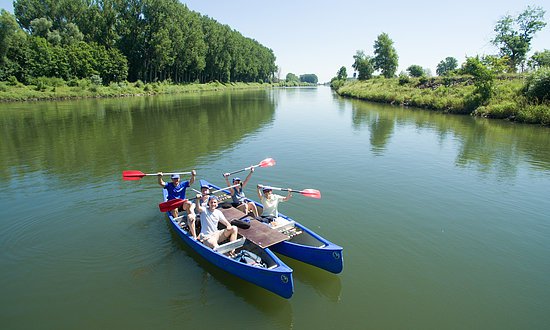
(452, 95)
(54, 89)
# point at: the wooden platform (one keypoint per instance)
(259, 233)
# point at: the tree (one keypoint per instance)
(446, 66)
(363, 65)
(540, 59)
(415, 71)
(483, 79)
(342, 74)
(385, 57)
(309, 78)
(292, 77)
(514, 35)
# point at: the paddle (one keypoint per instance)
(132, 175)
(177, 202)
(313, 193)
(264, 163)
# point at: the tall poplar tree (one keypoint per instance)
(385, 56)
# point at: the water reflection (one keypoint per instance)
(326, 284)
(93, 136)
(488, 145)
(277, 310)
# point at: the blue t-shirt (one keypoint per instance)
(176, 191)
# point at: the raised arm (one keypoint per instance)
(259, 192)
(192, 180)
(226, 176)
(288, 196)
(248, 177)
(159, 180)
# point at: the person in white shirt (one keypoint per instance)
(209, 217)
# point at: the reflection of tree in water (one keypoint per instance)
(487, 144)
(96, 135)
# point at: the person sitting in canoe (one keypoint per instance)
(210, 216)
(176, 189)
(237, 194)
(270, 203)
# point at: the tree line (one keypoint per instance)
(513, 36)
(117, 40)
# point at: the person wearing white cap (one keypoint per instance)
(176, 189)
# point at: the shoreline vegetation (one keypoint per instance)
(58, 89)
(454, 95)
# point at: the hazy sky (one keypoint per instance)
(321, 36)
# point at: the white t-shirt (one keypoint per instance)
(209, 221)
(270, 205)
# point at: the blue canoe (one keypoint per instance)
(275, 277)
(305, 245)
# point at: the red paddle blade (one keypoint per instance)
(313, 193)
(132, 175)
(171, 204)
(267, 162)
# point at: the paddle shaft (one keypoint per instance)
(244, 169)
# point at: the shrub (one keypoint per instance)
(96, 79)
(12, 81)
(537, 86)
(403, 79)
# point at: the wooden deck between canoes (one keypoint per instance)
(262, 235)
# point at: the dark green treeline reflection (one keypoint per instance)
(485, 144)
(96, 136)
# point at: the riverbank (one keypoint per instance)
(451, 95)
(58, 89)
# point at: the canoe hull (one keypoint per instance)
(308, 247)
(277, 278)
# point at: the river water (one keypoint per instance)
(444, 220)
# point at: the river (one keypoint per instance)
(444, 219)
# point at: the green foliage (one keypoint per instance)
(537, 86)
(363, 64)
(96, 79)
(336, 83)
(404, 79)
(514, 35)
(540, 59)
(12, 81)
(415, 71)
(342, 73)
(309, 78)
(291, 77)
(497, 65)
(483, 80)
(385, 56)
(446, 66)
(148, 40)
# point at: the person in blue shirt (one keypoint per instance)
(176, 189)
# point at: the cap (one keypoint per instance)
(205, 186)
(212, 197)
(236, 179)
(175, 176)
(266, 189)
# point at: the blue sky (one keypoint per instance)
(321, 36)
